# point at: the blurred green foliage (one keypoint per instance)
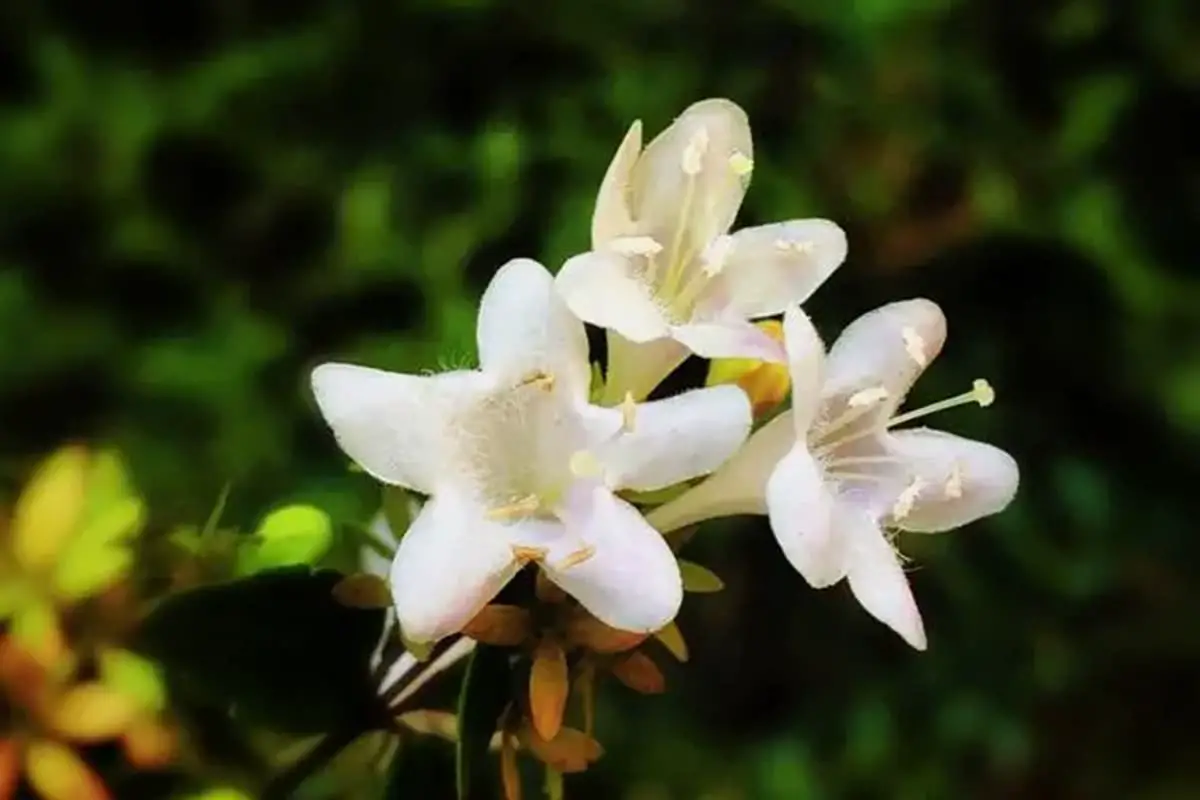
(201, 200)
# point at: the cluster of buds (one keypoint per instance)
(541, 461)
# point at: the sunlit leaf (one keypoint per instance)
(56, 772)
(50, 508)
(291, 536)
(85, 571)
(672, 639)
(92, 712)
(276, 648)
(135, 677)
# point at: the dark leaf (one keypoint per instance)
(486, 690)
(275, 648)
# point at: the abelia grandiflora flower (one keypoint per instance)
(836, 478)
(665, 276)
(520, 467)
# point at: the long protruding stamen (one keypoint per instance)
(981, 393)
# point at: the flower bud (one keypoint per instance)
(765, 383)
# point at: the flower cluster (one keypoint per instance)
(532, 459)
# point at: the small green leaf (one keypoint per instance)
(134, 677)
(699, 579)
(291, 536)
(276, 648)
(486, 691)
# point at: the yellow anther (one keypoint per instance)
(914, 345)
(983, 393)
(539, 379)
(693, 154)
(525, 555)
(868, 397)
(904, 503)
(523, 507)
(576, 558)
(628, 413)
(954, 483)
(636, 246)
(741, 164)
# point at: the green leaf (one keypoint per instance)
(134, 677)
(699, 579)
(290, 536)
(486, 691)
(276, 649)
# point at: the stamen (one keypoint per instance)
(904, 503)
(741, 164)
(539, 379)
(865, 460)
(954, 484)
(693, 154)
(576, 558)
(628, 413)
(523, 507)
(914, 345)
(525, 555)
(636, 246)
(981, 393)
(856, 476)
(868, 397)
(584, 464)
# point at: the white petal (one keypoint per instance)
(729, 338)
(877, 578)
(604, 288)
(773, 266)
(677, 439)
(638, 368)
(612, 217)
(888, 347)
(631, 579)
(738, 487)
(525, 327)
(801, 510)
(806, 367)
(660, 184)
(963, 480)
(393, 425)
(450, 564)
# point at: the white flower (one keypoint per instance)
(521, 468)
(835, 478)
(665, 276)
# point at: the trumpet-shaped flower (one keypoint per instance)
(520, 467)
(836, 478)
(665, 276)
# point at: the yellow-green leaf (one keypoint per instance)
(88, 570)
(699, 579)
(292, 535)
(135, 677)
(49, 509)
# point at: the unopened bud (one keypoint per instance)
(766, 383)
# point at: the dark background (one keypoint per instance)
(201, 200)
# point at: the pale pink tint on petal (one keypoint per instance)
(962, 480)
(730, 339)
(451, 563)
(606, 289)
(806, 367)
(612, 217)
(877, 578)
(801, 509)
(621, 569)
(772, 266)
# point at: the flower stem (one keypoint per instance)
(554, 784)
